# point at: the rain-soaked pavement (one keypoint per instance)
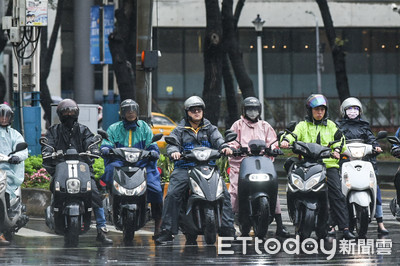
(37, 245)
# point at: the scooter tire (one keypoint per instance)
(306, 226)
(362, 220)
(210, 230)
(261, 221)
(71, 236)
(129, 227)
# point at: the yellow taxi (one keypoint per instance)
(162, 124)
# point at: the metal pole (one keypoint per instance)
(317, 48)
(105, 66)
(260, 73)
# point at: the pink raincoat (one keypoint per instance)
(248, 131)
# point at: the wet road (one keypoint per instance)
(37, 245)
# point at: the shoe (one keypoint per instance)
(331, 231)
(282, 232)
(164, 238)
(191, 240)
(4, 241)
(102, 236)
(383, 231)
(348, 235)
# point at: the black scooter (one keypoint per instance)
(129, 190)
(205, 199)
(307, 191)
(71, 209)
(257, 188)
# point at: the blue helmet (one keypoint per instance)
(315, 100)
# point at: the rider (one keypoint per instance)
(132, 132)
(318, 128)
(71, 134)
(251, 126)
(396, 153)
(9, 138)
(353, 127)
(194, 130)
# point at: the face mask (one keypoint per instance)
(68, 121)
(352, 113)
(252, 114)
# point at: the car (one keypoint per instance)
(162, 124)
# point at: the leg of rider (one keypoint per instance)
(178, 185)
(280, 228)
(227, 228)
(397, 185)
(337, 202)
(99, 215)
(379, 212)
(233, 188)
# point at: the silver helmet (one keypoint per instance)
(7, 113)
(194, 101)
(351, 101)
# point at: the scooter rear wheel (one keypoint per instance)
(261, 221)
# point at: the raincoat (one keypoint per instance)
(247, 131)
(9, 138)
(138, 137)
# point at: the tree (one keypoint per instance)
(338, 55)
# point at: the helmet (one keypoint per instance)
(251, 102)
(315, 100)
(128, 105)
(67, 108)
(351, 101)
(6, 111)
(194, 101)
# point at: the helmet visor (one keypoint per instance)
(5, 118)
(128, 109)
(316, 100)
(69, 111)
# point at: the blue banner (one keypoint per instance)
(95, 35)
(108, 20)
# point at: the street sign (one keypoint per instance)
(98, 35)
(108, 22)
(95, 35)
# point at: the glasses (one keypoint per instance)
(195, 109)
(353, 108)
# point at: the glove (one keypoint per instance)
(14, 160)
(105, 151)
(154, 155)
(395, 152)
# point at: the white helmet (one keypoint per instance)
(351, 101)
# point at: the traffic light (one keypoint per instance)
(149, 60)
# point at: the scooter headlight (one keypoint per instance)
(220, 188)
(130, 192)
(73, 185)
(3, 180)
(356, 152)
(196, 188)
(202, 155)
(132, 157)
(312, 181)
(258, 177)
(296, 180)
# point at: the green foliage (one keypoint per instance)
(98, 168)
(33, 164)
(223, 165)
(167, 166)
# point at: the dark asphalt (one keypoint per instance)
(37, 245)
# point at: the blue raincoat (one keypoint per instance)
(9, 138)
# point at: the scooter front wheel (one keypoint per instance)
(71, 236)
(261, 221)
(210, 231)
(362, 220)
(129, 221)
(306, 225)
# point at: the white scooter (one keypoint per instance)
(359, 183)
(12, 212)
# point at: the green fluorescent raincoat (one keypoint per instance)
(308, 131)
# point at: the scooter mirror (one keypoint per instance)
(280, 134)
(231, 136)
(291, 126)
(227, 132)
(393, 140)
(157, 137)
(171, 141)
(338, 135)
(43, 140)
(21, 146)
(102, 133)
(381, 135)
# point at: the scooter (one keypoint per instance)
(71, 185)
(203, 210)
(12, 212)
(129, 190)
(307, 191)
(257, 188)
(359, 183)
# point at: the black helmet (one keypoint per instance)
(315, 100)
(194, 101)
(6, 111)
(128, 105)
(67, 108)
(251, 103)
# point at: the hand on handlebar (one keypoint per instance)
(284, 144)
(176, 156)
(336, 155)
(227, 151)
(378, 149)
(14, 160)
(154, 155)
